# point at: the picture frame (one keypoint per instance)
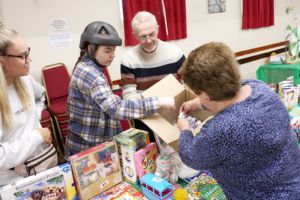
(216, 6)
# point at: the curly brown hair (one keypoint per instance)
(212, 68)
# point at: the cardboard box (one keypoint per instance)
(133, 138)
(145, 159)
(129, 142)
(121, 192)
(96, 169)
(54, 183)
(164, 122)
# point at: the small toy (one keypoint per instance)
(180, 194)
(194, 122)
(166, 168)
(156, 188)
(169, 166)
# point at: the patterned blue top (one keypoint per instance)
(249, 148)
(94, 110)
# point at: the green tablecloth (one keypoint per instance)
(274, 73)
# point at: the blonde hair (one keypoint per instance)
(6, 39)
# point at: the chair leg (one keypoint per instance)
(59, 139)
(59, 146)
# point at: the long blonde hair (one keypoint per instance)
(6, 39)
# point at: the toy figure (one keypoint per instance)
(169, 166)
(166, 167)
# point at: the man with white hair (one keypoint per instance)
(149, 61)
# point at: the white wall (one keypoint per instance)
(31, 18)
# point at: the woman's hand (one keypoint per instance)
(183, 124)
(190, 106)
(46, 134)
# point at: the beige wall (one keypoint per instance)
(31, 18)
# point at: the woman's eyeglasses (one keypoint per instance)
(23, 57)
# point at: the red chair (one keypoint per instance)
(47, 122)
(56, 80)
(125, 124)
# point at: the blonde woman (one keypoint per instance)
(21, 102)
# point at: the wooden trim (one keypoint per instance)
(262, 48)
(260, 56)
(116, 82)
(248, 57)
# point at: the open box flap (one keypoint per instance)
(165, 130)
(163, 123)
(168, 86)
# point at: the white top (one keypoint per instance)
(22, 141)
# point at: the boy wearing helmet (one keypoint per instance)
(94, 111)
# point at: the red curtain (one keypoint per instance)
(257, 13)
(174, 18)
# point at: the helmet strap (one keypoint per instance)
(91, 50)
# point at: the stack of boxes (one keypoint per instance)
(288, 93)
(129, 142)
(290, 98)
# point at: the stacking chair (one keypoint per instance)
(56, 80)
(125, 124)
(47, 122)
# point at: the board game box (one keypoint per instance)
(96, 169)
(54, 183)
(121, 192)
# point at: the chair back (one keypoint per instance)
(56, 80)
(107, 75)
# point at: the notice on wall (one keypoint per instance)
(59, 36)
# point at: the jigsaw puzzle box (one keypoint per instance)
(123, 191)
(96, 169)
(164, 122)
(54, 183)
(204, 187)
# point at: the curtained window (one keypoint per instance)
(170, 16)
(257, 13)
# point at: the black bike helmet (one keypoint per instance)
(99, 33)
